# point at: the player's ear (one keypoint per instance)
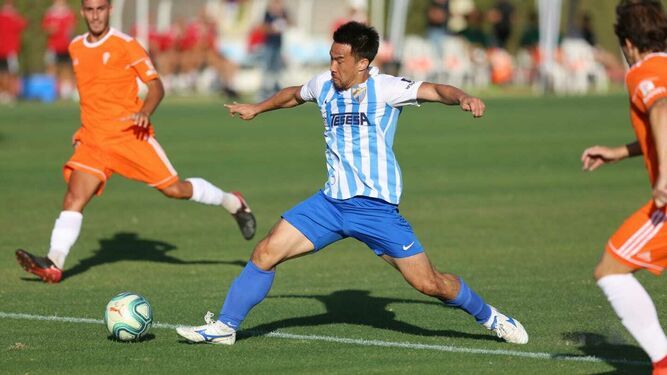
(363, 64)
(627, 44)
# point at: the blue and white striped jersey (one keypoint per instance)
(359, 128)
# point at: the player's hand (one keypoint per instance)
(660, 191)
(595, 156)
(472, 104)
(141, 119)
(245, 111)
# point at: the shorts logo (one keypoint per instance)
(408, 246)
(644, 256)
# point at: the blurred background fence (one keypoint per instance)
(252, 47)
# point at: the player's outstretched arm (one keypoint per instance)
(595, 156)
(286, 98)
(450, 95)
(658, 118)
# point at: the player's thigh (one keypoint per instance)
(80, 189)
(318, 219)
(144, 161)
(283, 242)
(381, 227)
(88, 161)
(610, 265)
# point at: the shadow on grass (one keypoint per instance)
(128, 246)
(626, 359)
(147, 337)
(360, 308)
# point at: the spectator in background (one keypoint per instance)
(501, 17)
(199, 50)
(474, 30)
(59, 23)
(613, 66)
(586, 29)
(11, 27)
(276, 21)
(528, 56)
(437, 15)
(356, 11)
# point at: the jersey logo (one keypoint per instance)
(105, 57)
(410, 83)
(646, 87)
(349, 118)
(358, 94)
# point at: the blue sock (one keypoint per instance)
(247, 290)
(468, 301)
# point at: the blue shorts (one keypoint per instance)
(378, 224)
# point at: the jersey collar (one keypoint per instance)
(99, 42)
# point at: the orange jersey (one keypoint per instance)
(647, 82)
(106, 75)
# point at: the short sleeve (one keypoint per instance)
(311, 90)
(140, 62)
(648, 91)
(400, 91)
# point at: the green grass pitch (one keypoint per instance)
(500, 201)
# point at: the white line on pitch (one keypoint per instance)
(343, 340)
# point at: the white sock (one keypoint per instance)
(637, 312)
(65, 232)
(207, 193)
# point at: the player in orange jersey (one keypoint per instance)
(641, 241)
(116, 136)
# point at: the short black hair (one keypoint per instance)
(363, 39)
(642, 22)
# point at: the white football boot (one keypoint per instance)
(213, 332)
(506, 327)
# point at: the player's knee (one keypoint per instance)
(74, 200)
(175, 191)
(427, 285)
(264, 256)
(600, 271)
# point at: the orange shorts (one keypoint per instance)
(641, 241)
(141, 160)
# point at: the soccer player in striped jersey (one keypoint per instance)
(641, 241)
(359, 109)
(116, 137)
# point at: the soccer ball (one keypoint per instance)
(128, 316)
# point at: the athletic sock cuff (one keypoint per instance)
(257, 269)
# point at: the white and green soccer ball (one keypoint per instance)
(128, 316)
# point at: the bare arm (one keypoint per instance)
(450, 95)
(595, 156)
(286, 98)
(658, 118)
(153, 99)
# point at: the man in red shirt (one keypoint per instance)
(11, 26)
(59, 22)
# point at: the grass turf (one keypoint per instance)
(500, 201)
